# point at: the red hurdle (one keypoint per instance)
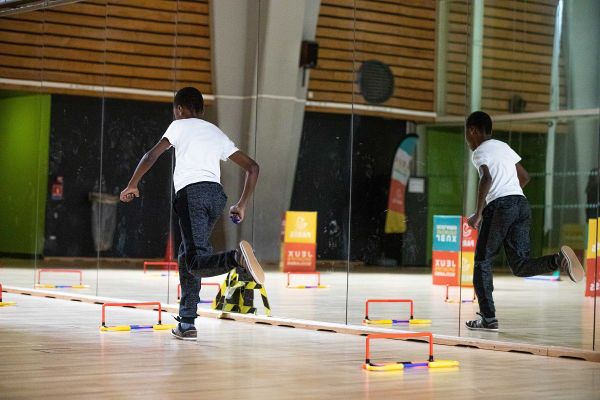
(315, 273)
(449, 300)
(167, 264)
(5, 303)
(407, 335)
(143, 304)
(66, 271)
(390, 301)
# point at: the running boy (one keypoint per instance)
(199, 201)
(503, 217)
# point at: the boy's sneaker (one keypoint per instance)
(483, 324)
(250, 263)
(569, 264)
(184, 334)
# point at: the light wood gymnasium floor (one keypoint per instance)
(53, 349)
(533, 312)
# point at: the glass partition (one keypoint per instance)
(45, 143)
(355, 113)
(74, 157)
(302, 144)
(24, 131)
(530, 71)
(405, 170)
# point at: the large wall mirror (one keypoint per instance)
(355, 112)
(405, 169)
(533, 68)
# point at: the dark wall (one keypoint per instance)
(375, 143)
(322, 183)
(93, 157)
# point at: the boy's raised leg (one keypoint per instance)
(251, 263)
(570, 264)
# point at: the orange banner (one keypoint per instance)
(299, 248)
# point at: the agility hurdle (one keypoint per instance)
(315, 273)
(125, 328)
(5, 303)
(411, 320)
(39, 284)
(400, 365)
(167, 265)
(449, 300)
(201, 284)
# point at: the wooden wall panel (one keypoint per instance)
(398, 33)
(457, 62)
(152, 45)
(136, 44)
(518, 49)
(517, 55)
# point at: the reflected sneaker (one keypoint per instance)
(181, 333)
(483, 324)
(569, 264)
(250, 263)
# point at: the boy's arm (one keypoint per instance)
(238, 210)
(523, 175)
(147, 161)
(485, 183)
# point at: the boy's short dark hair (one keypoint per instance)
(190, 98)
(480, 121)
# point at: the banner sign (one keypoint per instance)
(454, 244)
(592, 259)
(299, 249)
(395, 221)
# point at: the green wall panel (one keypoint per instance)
(24, 133)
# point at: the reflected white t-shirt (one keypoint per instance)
(199, 148)
(501, 161)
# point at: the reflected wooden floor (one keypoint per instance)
(533, 312)
(53, 349)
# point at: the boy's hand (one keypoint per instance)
(236, 213)
(474, 221)
(129, 193)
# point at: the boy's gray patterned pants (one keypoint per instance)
(199, 206)
(506, 221)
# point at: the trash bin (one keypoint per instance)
(104, 219)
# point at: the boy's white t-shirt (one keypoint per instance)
(501, 161)
(199, 148)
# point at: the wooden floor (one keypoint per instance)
(533, 312)
(53, 349)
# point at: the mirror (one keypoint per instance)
(531, 72)
(406, 169)
(302, 143)
(354, 110)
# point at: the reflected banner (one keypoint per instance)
(592, 283)
(395, 221)
(453, 248)
(299, 248)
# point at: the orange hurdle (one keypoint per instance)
(65, 271)
(449, 300)
(411, 320)
(145, 304)
(431, 363)
(5, 303)
(167, 264)
(315, 273)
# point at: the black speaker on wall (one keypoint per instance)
(309, 54)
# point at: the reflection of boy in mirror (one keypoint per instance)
(503, 217)
(199, 201)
